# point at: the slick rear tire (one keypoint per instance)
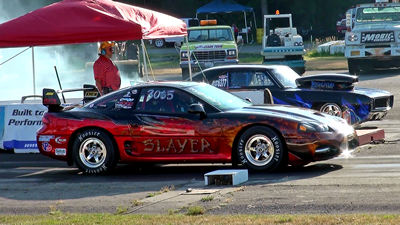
(93, 152)
(261, 148)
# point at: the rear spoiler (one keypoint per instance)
(53, 103)
(327, 82)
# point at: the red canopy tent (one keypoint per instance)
(80, 21)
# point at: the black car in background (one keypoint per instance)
(334, 94)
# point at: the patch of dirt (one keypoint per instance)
(326, 64)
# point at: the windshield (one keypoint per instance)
(220, 99)
(222, 34)
(376, 14)
(286, 76)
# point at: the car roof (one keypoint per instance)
(175, 84)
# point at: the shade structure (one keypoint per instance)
(223, 6)
(82, 21)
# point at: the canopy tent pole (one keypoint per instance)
(144, 61)
(254, 17)
(33, 71)
(189, 57)
(245, 24)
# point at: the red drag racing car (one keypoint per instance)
(186, 122)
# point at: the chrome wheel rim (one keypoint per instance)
(92, 152)
(331, 109)
(259, 150)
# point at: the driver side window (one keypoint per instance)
(164, 100)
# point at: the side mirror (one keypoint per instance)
(248, 99)
(197, 109)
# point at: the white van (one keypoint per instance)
(174, 41)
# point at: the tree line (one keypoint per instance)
(316, 16)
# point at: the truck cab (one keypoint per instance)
(282, 45)
(208, 45)
(373, 38)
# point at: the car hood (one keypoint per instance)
(372, 93)
(291, 113)
(376, 27)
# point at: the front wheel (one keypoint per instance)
(331, 109)
(260, 148)
(93, 152)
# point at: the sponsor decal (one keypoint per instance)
(45, 137)
(60, 151)
(47, 147)
(322, 85)
(221, 82)
(90, 94)
(208, 46)
(60, 140)
(377, 37)
(49, 93)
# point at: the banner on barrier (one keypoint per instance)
(18, 126)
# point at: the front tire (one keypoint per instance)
(331, 109)
(261, 148)
(93, 152)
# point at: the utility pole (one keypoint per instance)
(264, 7)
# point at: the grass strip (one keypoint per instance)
(98, 219)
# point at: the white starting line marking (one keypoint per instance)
(384, 165)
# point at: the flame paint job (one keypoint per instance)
(173, 137)
(358, 100)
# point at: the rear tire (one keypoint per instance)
(93, 152)
(354, 67)
(261, 148)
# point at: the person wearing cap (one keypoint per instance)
(105, 71)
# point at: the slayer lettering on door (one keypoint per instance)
(177, 146)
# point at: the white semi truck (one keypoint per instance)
(373, 36)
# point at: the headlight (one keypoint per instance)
(231, 52)
(184, 54)
(352, 37)
(298, 43)
(312, 127)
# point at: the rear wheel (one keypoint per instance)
(261, 148)
(354, 67)
(93, 152)
(331, 109)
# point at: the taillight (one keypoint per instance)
(45, 120)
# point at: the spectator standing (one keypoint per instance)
(106, 73)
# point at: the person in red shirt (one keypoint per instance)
(105, 71)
